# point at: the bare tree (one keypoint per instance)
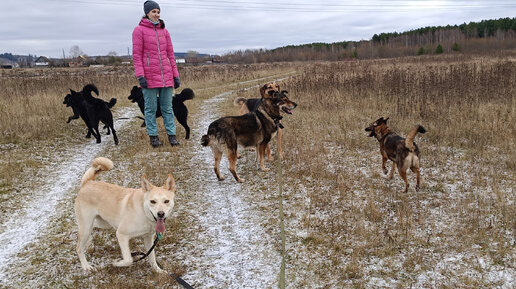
(75, 51)
(192, 53)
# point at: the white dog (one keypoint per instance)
(131, 212)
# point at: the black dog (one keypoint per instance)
(178, 106)
(92, 110)
(78, 105)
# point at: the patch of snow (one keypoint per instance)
(236, 251)
(24, 227)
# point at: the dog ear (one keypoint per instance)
(170, 184)
(146, 185)
(284, 91)
(385, 120)
(262, 90)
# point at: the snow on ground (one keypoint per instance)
(235, 250)
(26, 224)
(230, 245)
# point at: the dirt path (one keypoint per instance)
(233, 247)
(27, 223)
(231, 237)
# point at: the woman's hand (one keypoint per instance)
(143, 81)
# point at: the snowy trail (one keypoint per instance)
(25, 226)
(236, 250)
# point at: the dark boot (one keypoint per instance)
(173, 141)
(154, 141)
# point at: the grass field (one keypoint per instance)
(347, 226)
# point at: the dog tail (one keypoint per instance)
(239, 101)
(205, 140)
(112, 102)
(409, 141)
(99, 164)
(87, 90)
(185, 94)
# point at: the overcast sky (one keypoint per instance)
(51, 27)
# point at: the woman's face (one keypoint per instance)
(154, 15)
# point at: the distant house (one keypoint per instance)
(42, 61)
(79, 61)
(216, 59)
(6, 63)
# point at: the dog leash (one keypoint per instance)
(133, 254)
(178, 279)
(282, 225)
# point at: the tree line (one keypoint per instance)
(474, 37)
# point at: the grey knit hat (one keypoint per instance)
(149, 5)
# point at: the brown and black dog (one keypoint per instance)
(403, 153)
(254, 129)
(246, 105)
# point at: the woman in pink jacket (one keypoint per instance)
(156, 71)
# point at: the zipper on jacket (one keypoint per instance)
(159, 55)
(147, 58)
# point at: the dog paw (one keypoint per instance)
(157, 269)
(122, 263)
(265, 169)
(240, 180)
(87, 267)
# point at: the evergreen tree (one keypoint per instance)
(439, 49)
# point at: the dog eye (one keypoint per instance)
(153, 202)
(166, 201)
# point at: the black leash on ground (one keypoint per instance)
(176, 277)
(282, 280)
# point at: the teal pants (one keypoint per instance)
(164, 96)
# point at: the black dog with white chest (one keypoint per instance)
(178, 106)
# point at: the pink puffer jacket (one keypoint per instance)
(153, 54)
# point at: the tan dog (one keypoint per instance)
(246, 105)
(404, 153)
(131, 212)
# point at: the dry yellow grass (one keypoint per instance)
(347, 226)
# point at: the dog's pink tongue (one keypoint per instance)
(160, 225)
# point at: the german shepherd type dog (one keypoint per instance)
(131, 212)
(246, 105)
(178, 106)
(93, 110)
(254, 129)
(403, 153)
(78, 105)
